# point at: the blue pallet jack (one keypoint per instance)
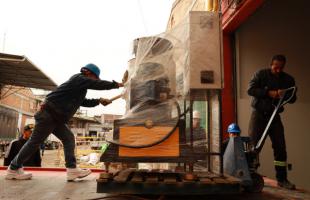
(241, 159)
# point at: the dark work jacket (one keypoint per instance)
(69, 96)
(14, 148)
(263, 81)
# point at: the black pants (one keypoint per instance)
(45, 125)
(258, 123)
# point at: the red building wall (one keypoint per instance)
(234, 14)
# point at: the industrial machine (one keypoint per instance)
(170, 76)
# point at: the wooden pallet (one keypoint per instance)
(167, 182)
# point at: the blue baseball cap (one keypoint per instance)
(92, 68)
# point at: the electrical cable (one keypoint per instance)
(158, 141)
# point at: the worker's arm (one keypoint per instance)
(90, 102)
(88, 83)
(290, 83)
(255, 88)
(95, 102)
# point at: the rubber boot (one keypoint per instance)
(281, 175)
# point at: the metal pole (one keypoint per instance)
(209, 131)
(220, 132)
(191, 165)
(185, 130)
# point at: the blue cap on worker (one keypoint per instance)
(93, 68)
(233, 128)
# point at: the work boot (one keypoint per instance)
(18, 174)
(286, 184)
(74, 173)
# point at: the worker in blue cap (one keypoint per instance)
(233, 129)
(59, 106)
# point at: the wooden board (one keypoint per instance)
(140, 135)
(123, 175)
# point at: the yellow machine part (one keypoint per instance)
(136, 135)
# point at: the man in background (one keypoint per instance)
(34, 160)
(199, 134)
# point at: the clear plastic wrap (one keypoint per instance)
(170, 76)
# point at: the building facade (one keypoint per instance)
(21, 101)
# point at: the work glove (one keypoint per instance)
(281, 93)
(125, 77)
(273, 94)
(105, 101)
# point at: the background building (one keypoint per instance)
(17, 101)
(84, 126)
(107, 120)
(22, 101)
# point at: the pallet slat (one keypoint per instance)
(137, 178)
(123, 175)
(152, 178)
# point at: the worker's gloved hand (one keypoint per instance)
(125, 77)
(281, 93)
(120, 85)
(105, 101)
(273, 94)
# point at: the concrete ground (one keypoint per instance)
(52, 185)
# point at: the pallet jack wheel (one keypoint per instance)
(258, 184)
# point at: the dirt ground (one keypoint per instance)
(55, 158)
(49, 159)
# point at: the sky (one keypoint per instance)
(61, 36)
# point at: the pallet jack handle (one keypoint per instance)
(281, 103)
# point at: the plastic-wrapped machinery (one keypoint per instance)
(172, 75)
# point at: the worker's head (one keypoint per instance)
(28, 131)
(277, 64)
(196, 119)
(233, 129)
(91, 71)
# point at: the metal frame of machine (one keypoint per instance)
(196, 77)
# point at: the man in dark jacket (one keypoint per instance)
(59, 106)
(266, 87)
(16, 145)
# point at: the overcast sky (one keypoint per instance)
(60, 36)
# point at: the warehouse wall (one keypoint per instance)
(279, 27)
